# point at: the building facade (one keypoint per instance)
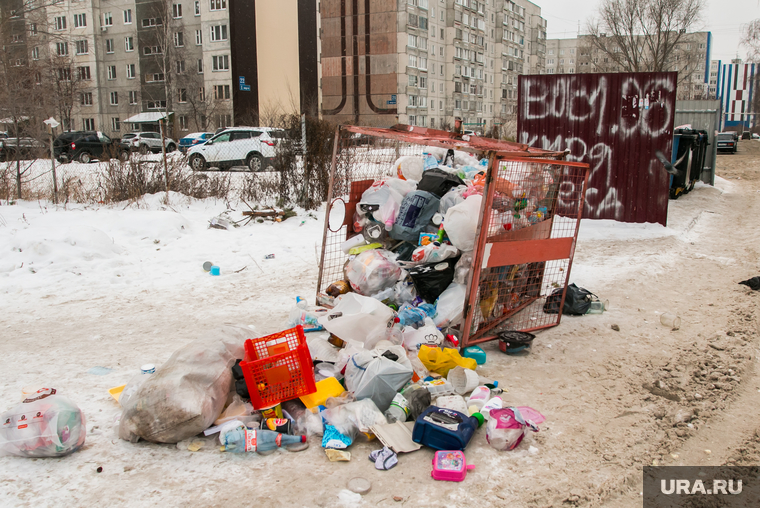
(209, 63)
(736, 88)
(427, 62)
(691, 60)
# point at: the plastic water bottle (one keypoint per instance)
(408, 315)
(241, 439)
(398, 410)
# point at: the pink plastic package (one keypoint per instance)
(507, 427)
(450, 465)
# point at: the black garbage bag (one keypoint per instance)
(577, 301)
(432, 279)
(753, 283)
(439, 182)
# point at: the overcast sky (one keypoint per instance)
(723, 18)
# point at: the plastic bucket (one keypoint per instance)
(463, 380)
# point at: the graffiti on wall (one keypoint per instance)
(614, 123)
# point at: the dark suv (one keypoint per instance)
(86, 146)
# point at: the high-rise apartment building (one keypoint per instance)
(691, 60)
(205, 63)
(427, 62)
(736, 88)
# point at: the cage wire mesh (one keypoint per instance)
(534, 197)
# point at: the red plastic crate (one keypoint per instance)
(278, 367)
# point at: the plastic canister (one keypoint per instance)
(445, 429)
(479, 397)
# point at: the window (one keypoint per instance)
(156, 104)
(223, 120)
(80, 20)
(151, 50)
(413, 101)
(85, 99)
(412, 80)
(217, 5)
(412, 42)
(200, 66)
(35, 53)
(156, 76)
(176, 11)
(423, 23)
(441, 28)
(180, 66)
(182, 95)
(412, 20)
(64, 74)
(114, 98)
(197, 9)
(133, 97)
(221, 91)
(412, 120)
(131, 71)
(32, 28)
(412, 60)
(88, 124)
(81, 47)
(109, 45)
(423, 82)
(62, 48)
(107, 19)
(115, 124)
(149, 22)
(218, 33)
(422, 43)
(16, 38)
(457, 104)
(111, 72)
(60, 23)
(127, 19)
(198, 37)
(179, 39)
(220, 63)
(84, 73)
(423, 63)
(201, 94)
(129, 44)
(182, 122)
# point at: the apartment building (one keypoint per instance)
(427, 62)
(691, 60)
(204, 64)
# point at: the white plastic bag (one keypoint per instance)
(461, 223)
(372, 271)
(409, 167)
(188, 392)
(462, 268)
(44, 425)
(358, 319)
(427, 334)
(452, 198)
(450, 306)
(375, 377)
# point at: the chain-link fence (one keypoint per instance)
(262, 165)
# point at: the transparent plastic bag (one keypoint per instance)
(44, 425)
(372, 271)
(450, 305)
(187, 393)
(360, 320)
(462, 268)
(354, 417)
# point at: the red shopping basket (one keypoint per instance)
(278, 367)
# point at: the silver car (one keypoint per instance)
(252, 147)
(145, 142)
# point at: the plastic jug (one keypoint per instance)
(444, 429)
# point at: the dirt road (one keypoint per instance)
(614, 400)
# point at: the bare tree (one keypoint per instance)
(644, 35)
(750, 39)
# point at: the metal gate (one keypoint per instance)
(515, 267)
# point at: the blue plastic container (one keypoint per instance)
(476, 353)
(444, 429)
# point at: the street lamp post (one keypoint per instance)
(52, 123)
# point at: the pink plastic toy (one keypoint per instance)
(450, 465)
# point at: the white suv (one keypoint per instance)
(146, 142)
(236, 146)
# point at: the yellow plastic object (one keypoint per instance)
(442, 361)
(329, 387)
(362, 248)
(116, 392)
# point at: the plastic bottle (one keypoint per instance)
(430, 161)
(398, 410)
(408, 315)
(598, 307)
(479, 397)
(239, 439)
(302, 315)
(494, 403)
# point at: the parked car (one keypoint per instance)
(755, 135)
(145, 142)
(746, 135)
(85, 146)
(23, 148)
(726, 142)
(194, 138)
(236, 146)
